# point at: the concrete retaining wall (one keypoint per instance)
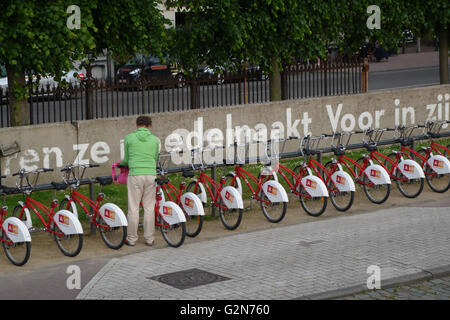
(99, 141)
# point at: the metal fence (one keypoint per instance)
(93, 99)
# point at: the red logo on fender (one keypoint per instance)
(272, 190)
(167, 211)
(438, 163)
(110, 214)
(311, 184)
(13, 228)
(375, 173)
(229, 196)
(408, 168)
(188, 202)
(63, 219)
(340, 180)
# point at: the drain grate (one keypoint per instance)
(187, 279)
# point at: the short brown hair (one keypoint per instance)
(143, 121)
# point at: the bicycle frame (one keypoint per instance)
(206, 180)
(32, 204)
(80, 199)
(242, 173)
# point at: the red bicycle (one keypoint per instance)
(340, 185)
(188, 201)
(310, 189)
(169, 217)
(436, 166)
(64, 226)
(226, 198)
(108, 218)
(373, 177)
(270, 194)
(14, 235)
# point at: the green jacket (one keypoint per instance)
(141, 152)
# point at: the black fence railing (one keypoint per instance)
(94, 99)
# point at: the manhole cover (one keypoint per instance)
(189, 278)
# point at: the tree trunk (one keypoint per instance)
(19, 107)
(443, 55)
(275, 82)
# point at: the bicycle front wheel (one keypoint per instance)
(113, 237)
(70, 245)
(273, 211)
(193, 225)
(314, 206)
(409, 188)
(173, 234)
(231, 218)
(18, 253)
(341, 200)
(439, 183)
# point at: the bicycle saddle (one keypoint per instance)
(104, 180)
(188, 174)
(59, 185)
(160, 182)
(338, 151)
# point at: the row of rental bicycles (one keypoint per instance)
(180, 210)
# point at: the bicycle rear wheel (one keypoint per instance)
(70, 245)
(173, 234)
(341, 200)
(273, 211)
(17, 253)
(439, 183)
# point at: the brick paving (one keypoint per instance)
(297, 261)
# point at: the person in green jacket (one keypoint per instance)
(141, 155)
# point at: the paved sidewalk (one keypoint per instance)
(298, 261)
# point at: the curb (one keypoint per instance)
(424, 275)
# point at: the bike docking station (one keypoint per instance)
(311, 181)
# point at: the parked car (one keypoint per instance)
(146, 69)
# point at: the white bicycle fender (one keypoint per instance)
(28, 222)
(274, 191)
(171, 212)
(343, 181)
(113, 215)
(192, 204)
(232, 198)
(16, 230)
(377, 174)
(238, 181)
(440, 164)
(411, 169)
(269, 170)
(73, 207)
(67, 222)
(202, 194)
(315, 186)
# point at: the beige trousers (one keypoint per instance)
(141, 189)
